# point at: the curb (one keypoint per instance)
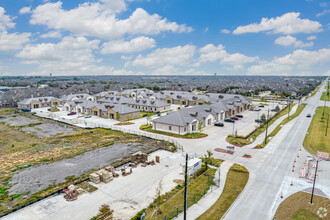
(172, 136)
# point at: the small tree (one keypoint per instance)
(118, 116)
(263, 116)
(158, 196)
(277, 108)
(200, 126)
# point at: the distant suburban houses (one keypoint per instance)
(188, 112)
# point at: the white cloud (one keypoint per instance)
(115, 6)
(134, 45)
(324, 12)
(212, 53)
(71, 55)
(5, 20)
(292, 41)
(180, 55)
(25, 10)
(225, 31)
(289, 23)
(313, 37)
(297, 62)
(94, 19)
(14, 41)
(52, 34)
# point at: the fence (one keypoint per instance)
(87, 124)
(200, 187)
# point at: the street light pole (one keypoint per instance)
(326, 129)
(233, 128)
(185, 189)
(317, 162)
(267, 127)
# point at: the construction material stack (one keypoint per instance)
(105, 176)
(138, 158)
(94, 178)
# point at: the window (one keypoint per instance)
(185, 129)
(170, 128)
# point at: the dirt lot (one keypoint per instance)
(34, 179)
(47, 130)
(18, 120)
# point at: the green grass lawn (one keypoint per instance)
(236, 180)
(146, 113)
(297, 206)
(325, 96)
(192, 135)
(316, 140)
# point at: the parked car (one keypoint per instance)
(219, 124)
(309, 115)
(234, 117)
(256, 109)
(87, 116)
(261, 106)
(72, 113)
(239, 116)
(25, 110)
(259, 120)
(229, 120)
(275, 110)
(231, 147)
(145, 115)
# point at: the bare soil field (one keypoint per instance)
(18, 120)
(37, 178)
(47, 130)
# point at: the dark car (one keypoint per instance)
(261, 106)
(259, 120)
(72, 113)
(274, 110)
(219, 124)
(25, 110)
(231, 147)
(239, 116)
(234, 117)
(229, 120)
(145, 115)
(309, 115)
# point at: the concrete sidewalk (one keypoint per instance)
(211, 197)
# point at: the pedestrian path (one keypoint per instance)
(212, 195)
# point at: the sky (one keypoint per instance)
(164, 37)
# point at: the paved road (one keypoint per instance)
(264, 187)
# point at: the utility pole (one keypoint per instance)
(289, 108)
(267, 127)
(317, 163)
(326, 129)
(185, 189)
(219, 178)
(233, 128)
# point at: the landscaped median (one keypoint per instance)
(278, 127)
(236, 180)
(241, 141)
(196, 135)
(315, 139)
(325, 96)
